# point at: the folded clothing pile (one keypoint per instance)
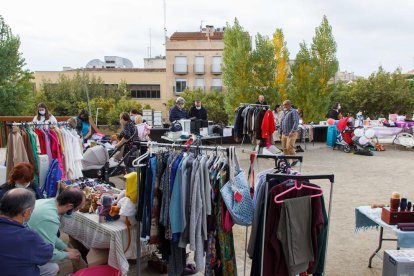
(407, 226)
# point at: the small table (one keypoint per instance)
(113, 235)
(367, 218)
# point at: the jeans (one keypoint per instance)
(49, 269)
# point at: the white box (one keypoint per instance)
(204, 131)
(227, 131)
(398, 263)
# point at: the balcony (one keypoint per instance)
(216, 69)
(181, 69)
(199, 69)
(216, 88)
(202, 88)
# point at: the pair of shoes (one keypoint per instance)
(294, 163)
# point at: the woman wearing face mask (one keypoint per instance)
(43, 115)
(178, 112)
(197, 111)
(21, 176)
(83, 126)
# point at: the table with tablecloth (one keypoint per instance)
(370, 218)
(113, 235)
(384, 132)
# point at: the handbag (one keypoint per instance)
(236, 193)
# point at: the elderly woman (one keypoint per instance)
(21, 176)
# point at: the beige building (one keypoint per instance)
(194, 60)
(147, 86)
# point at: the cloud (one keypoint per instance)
(70, 33)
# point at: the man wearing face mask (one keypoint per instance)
(21, 176)
(45, 220)
(197, 111)
(334, 112)
(178, 112)
(22, 251)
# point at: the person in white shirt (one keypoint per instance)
(43, 115)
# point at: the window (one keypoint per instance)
(180, 65)
(216, 85)
(145, 91)
(216, 65)
(110, 61)
(180, 85)
(199, 65)
(199, 84)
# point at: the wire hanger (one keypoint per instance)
(298, 186)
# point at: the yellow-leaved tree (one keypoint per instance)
(282, 63)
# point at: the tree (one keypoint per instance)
(382, 93)
(237, 67)
(263, 68)
(282, 63)
(16, 91)
(313, 69)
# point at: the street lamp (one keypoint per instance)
(97, 112)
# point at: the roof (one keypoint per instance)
(196, 36)
(120, 69)
(411, 72)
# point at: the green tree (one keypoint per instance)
(16, 90)
(312, 71)
(237, 67)
(282, 63)
(263, 68)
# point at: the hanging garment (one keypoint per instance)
(16, 151)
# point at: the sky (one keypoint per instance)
(54, 34)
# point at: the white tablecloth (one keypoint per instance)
(384, 132)
(113, 235)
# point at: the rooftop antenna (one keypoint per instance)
(165, 23)
(150, 46)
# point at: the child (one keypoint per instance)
(143, 129)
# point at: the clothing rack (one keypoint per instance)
(284, 177)
(149, 144)
(37, 124)
(243, 104)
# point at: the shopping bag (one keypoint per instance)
(236, 193)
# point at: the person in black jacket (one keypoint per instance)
(178, 112)
(334, 112)
(197, 111)
(261, 100)
(21, 176)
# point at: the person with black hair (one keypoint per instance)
(197, 111)
(45, 220)
(22, 251)
(334, 112)
(83, 126)
(128, 130)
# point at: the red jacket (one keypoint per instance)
(268, 125)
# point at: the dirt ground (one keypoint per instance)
(359, 180)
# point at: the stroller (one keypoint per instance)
(99, 163)
(346, 139)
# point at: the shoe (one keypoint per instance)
(294, 163)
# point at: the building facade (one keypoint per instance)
(194, 61)
(147, 86)
(110, 62)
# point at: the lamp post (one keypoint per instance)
(97, 112)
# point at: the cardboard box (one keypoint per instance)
(398, 263)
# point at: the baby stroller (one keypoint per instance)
(99, 163)
(347, 141)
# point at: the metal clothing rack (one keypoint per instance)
(149, 144)
(284, 177)
(249, 104)
(37, 124)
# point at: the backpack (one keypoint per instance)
(54, 174)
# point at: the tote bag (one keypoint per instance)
(236, 193)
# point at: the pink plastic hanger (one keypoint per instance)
(297, 186)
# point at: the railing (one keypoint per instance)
(180, 69)
(199, 69)
(5, 129)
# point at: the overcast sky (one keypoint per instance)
(53, 34)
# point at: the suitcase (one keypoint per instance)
(331, 135)
(43, 169)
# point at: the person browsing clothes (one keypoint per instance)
(289, 126)
(178, 112)
(197, 111)
(43, 115)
